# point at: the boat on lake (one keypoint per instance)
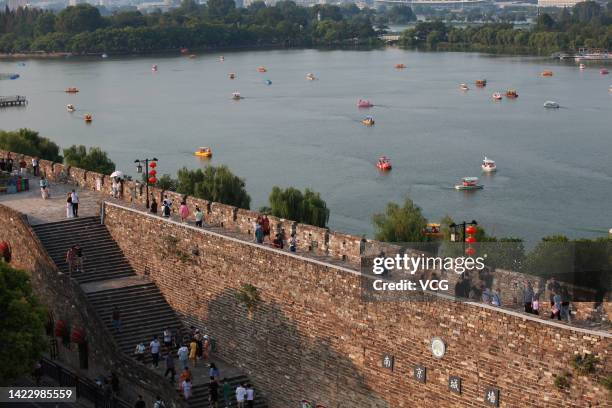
(262, 69)
(592, 54)
(154, 68)
(551, 105)
(469, 183)
(231, 75)
(236, 96)
(511, 93)
(604, 71)
(364, 103)
(400, 66)
(9, 76)
(88, 118)
(496, 96)
(310, 76)
(104, 55)
(72, 90)
(582, 67)
(368, 121)
(547, 73)
(268, 82)
(464, 87)
(203, 152)
(383, 164)
(70, 107)
(221, 58)
(488, 165)
(481, 83)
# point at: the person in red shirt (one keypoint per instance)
(5, 251)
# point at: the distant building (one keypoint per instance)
(558, 3)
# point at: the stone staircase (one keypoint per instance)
(102, 257)
(145, 313)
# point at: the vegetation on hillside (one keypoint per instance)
(21, 325)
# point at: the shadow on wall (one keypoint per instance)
(272, 346)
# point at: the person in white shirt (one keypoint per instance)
(250, 396)
(240, 394)
(75, 203)
(139, 352)
(168, 339)
(183, 355)
(155, 346)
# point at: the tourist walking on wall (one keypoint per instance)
(197, 336)
(2, 164)
(553, 288)
(528, 298)
(213, 394)
(78, 254)
(70, 259)
(168, 339)
(166, 207)
(240, 395)
(213, 372)
(206, 347)
(183, 355)
(35, 166)
(265, 224)
(115, 384)
(184, 211)
(155, 347)
(159, 403)
(186, 374)
(193, 352)
(293, 243)
(116, 318)
(9, 163)
(170, 366)
(44, 187)
(153, 206)
(555, 310)
(227, 393)
(259, 233)
(535, 305)
(38, 372)
(199, 216)
(565, 304)
(250, 396)
(139, 351)
(75, 203)
(187, 389)
(69, 212)
(23, 166)
(496, 298)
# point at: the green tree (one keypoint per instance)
(165, 182)
(21, 325)
(308, 208)
(79, 18)
(219, 9)
(401, 14)
(400, 224)
(93, 160)
(214, 184)
(26, 141)
(552, 256)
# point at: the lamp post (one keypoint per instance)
(147, 163)
(469, 227)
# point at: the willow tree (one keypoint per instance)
(214, 184)
(292, 204)
(400, 224)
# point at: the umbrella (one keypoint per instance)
(117, 174)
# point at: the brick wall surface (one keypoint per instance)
(313, 336)
(65, 300)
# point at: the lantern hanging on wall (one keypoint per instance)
(152, 180)
(152, 172)
(61, 328)
(153, 165)
(470, 251)
(471, 230)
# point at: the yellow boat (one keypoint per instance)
(203, 152)
(369, 121)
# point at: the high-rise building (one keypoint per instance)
(15, 4)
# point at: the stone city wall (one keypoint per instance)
(313, 336)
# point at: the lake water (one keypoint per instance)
(555, 166)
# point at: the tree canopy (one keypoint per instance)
(21, 325)
(93, 160)
(400, 224)
(214, 184)
(26, 141)
(292, 204)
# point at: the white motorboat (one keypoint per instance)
(551, 105)
(469, 183)
(497, 96)
(582, 67)
(310, 76)
(488, 165)
(70, 107)
(236, 96)
(464, 87)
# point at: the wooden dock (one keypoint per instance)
(15, 100)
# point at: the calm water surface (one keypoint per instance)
(555, 166)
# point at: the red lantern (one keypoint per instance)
(60, 328)
(152, 172)
(77, 336)
(153, 165)
(470, 229)
(152, 180)
(470, 251)
(470, 240)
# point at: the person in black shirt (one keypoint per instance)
(153, 206)
(213, 395)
